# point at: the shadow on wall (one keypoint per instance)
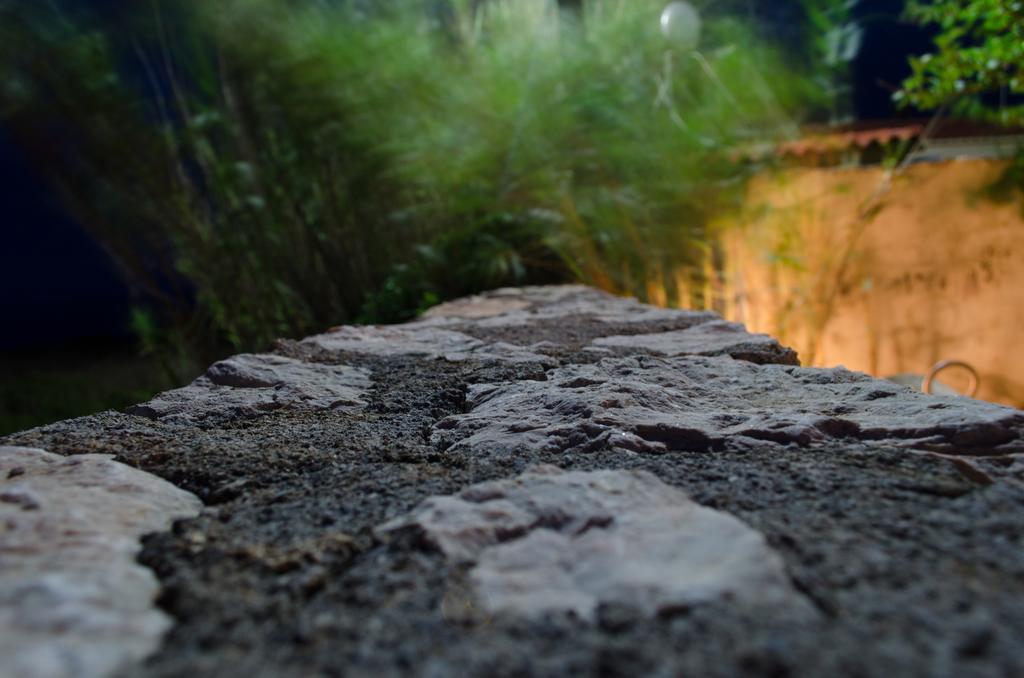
(932, 274)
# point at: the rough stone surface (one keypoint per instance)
(422, 341)
(476, 307)
(711, 338)
(520, 306)
(898, 517)
(697, 404)
(248, 385)
(73, 601)
(553, 541)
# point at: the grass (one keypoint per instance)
(264, 168)
(40, 387)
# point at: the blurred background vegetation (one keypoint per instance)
(267, 168)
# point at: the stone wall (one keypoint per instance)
(535, 481)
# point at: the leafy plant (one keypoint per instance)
(836, 38)
(979, 54)
(262, 168)
(232, 178)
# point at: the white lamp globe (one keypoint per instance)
(680, 23)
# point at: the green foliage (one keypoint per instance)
(269, 167)
(42, 387)
(502, 251)
(836, 40)
(241, 196)
(979, 50)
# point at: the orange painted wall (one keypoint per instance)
(935, 272)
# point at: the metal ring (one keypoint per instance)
(972, 387)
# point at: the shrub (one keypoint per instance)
(269, 167)
(979, 52)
